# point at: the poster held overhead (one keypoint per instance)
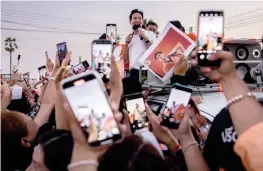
(171, 44)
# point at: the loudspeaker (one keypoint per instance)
(244, 52)
(247, 54)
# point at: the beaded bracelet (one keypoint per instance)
(239, 97)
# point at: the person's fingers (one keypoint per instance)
(59, 74)
(65, 61)
(116, 86)
(113, 66)
(75, 129)
(118, 116)
(151, 116)
(224, 55)
(57, 62)
(206, 69)
(123, 129)
(186, 116)
(194, 62)
(194, 54)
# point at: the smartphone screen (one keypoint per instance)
(111, 32)
(210, 36)
(62, 51)
(43, 74)
(82, 67)
(136, 109)
(101, 57)
(89, 104)
(177, 101)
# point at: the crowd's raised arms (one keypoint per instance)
(138, 105)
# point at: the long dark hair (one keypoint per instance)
(132, 155)
(57, 146)
(14, 155)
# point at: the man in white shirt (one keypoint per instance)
(174, 107)
(140, 114)
(137, 42)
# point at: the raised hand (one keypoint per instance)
(226, 69)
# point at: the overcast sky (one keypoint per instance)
(243, 20)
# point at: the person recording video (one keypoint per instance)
(137, 42)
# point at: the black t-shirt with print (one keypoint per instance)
(218, 151)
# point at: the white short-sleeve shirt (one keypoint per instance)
(137, 47)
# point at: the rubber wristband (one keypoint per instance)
(189, 145)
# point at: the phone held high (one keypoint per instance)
(210, 36)
(178, 100)
(89, 102)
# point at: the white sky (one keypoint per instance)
(93, 16)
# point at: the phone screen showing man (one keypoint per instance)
(102, 59)
(92, 110)
(173, 111)
(210, 36)
(136, 109)
(62, 51)
(82, 67)
(111, 32)
(43, 74)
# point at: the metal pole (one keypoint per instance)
(10, 63)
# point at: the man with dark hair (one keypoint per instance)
(137, 42)
(152, 26)
(178, 25)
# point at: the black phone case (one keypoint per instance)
(207, 63)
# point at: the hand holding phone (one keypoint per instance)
(88, 100)
(136, 109)
(210, 36)
(101, 57)
(111, 32)
(43, 73)
(82, 67)
(177, 102)
(62, 51)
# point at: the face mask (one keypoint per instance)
(17, 92)
(149, 138)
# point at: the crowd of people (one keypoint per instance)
(39, 132)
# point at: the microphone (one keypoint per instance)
(136, 28)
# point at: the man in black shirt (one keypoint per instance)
(218, 151)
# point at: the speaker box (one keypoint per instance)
(247, 54)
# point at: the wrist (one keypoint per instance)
(173, 144)
(227, 79)
(186, 139)
(232, 86)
